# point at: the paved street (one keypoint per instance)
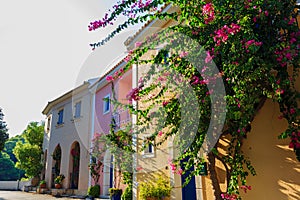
(18, 195)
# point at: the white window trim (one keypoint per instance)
(107, 111)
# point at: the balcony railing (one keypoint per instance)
(121, 118)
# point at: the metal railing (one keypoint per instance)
(121, 118)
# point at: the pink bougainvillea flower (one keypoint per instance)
(165, 103)
(292, 20)
(292, 145)
(138, 44)
(179, 171)
(293, 40)
(246, 187)
(209, 57)
(160, 133)
(183, 54)
(109, 78)
(208, 13)
(227, 196)
(222, 34)
(133, 94)
(127, 58)
(292, 111)
(279, 91)
(266, 13)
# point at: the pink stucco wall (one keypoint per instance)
(103, 120)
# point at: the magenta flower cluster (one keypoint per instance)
(222, 34)
(208, 13)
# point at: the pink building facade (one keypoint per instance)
(104, 112)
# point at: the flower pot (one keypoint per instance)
(116, 197)
(43, 185)
(156, 198)
(35, 181)
(57, 185)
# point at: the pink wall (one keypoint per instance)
(102, 121)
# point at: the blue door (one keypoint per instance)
(189, 191)
(111, 172)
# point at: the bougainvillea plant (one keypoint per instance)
(255, 46)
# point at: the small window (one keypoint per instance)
(148, 150)
(77, 112)
(48, 123)
(106, 104)
(60, 117)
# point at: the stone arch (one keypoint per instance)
(74, 165)
(56, 163)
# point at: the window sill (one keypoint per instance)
(148, 155)
(59, 125)
(104, 113)
(76, 119)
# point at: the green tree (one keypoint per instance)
(253, 44)
(8, 172)
(10, 145)
(3, 131)
(30, 153)
(34, 133)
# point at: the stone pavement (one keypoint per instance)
(18, 195)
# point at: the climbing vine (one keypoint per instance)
(254, 44)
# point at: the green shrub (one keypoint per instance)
(159, 189)
(127, 195)
(94, 191)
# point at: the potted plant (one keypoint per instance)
(115, 193)
(93, 191)
(42, 184)
(58, 180)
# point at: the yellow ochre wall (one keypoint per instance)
(278, 170)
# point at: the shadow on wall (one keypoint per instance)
(278, 171)
(290, 186)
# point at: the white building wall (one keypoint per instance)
(73, 130)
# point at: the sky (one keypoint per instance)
(45, 52)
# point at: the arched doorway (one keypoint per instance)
(56, 163)
(74, 165)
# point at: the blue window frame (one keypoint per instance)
(60, 117)
(77, 113)
(106, 104)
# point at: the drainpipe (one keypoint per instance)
(134, 138)
(92, 129)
